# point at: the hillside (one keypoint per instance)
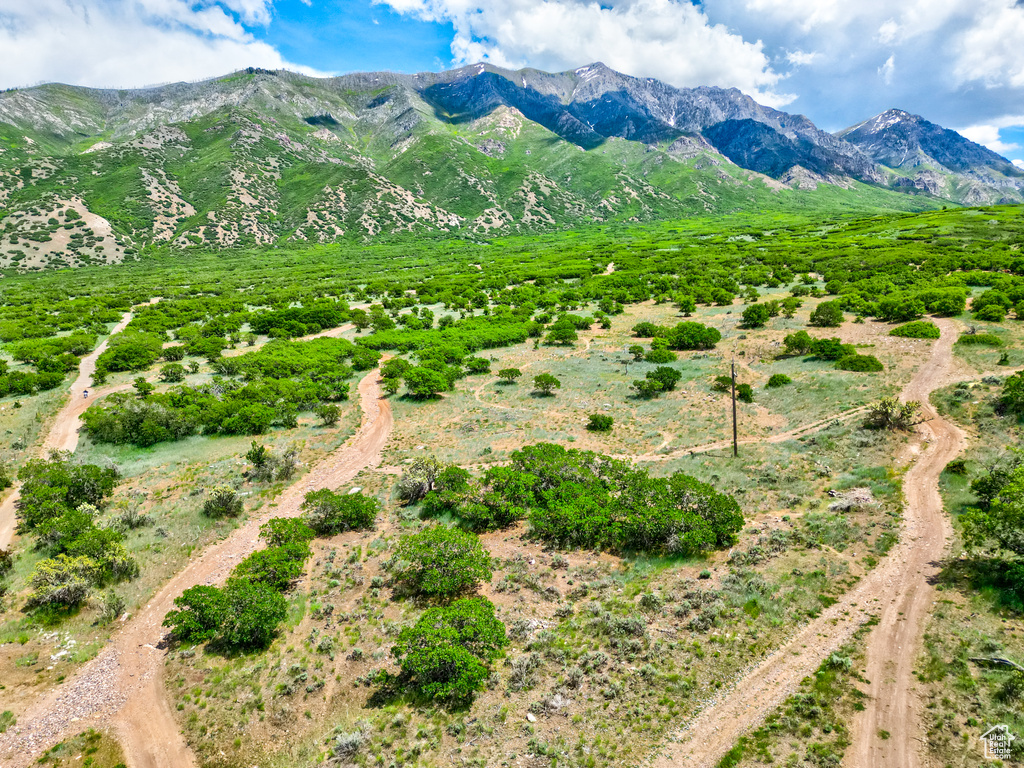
(269, 158)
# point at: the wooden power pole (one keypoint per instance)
(735, 441)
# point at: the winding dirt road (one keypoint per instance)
(897, 591)
(123, 687)
(63, 435)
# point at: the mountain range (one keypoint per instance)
(260, 158)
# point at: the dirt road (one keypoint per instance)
(122, 688)
(63, 435)
(896, 590)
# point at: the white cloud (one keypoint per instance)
(1019, 163)
(801, 58)
(988, 134)
(672, 40)
(886, 70)
(126, 43)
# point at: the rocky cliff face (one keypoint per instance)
(936, 160)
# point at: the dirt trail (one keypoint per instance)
(897, 586)
(63, 435)
(123, 687)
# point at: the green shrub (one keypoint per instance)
(445, 655)
(199, 615)
(744, 393)
(600, 422)
(62, 581)
(441, 562)
(828, 314)
(279, 531)
(223, 502)
(277, 567)
(328, 413)
(328, 513)
(860, 363)
(778, 380)
(919, 329)
(980, 339)
(254, 612)
(660, 355)
(509, 375)
(545, 383)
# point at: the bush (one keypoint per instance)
(920, 329)
(778, 380)
(583, 499)
(199, 615)
(328, 413)
(172, 373)
(253, 613)
(545, 383)
(860, 363)
(660, 355)
(980, 339)
(62, 581)
(446, 653)
(6, 562)
(646, 388)
(956, 467)
(1011, 399)
(744, 393)
(441, 562)
(279, 531)
(223, 502)
(328, 513)
(756, 316)
(828, 314)
(600, 422)
(276, 567)
(890, 413)
(509, 375)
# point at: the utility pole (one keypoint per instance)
(735, 441)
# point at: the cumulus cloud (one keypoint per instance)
(125, 43)
(673, 40)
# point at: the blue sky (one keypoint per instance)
(959, 63)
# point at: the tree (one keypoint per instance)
(509, 375)
(279, 531)
(477, 365)
(1002, 523)
(545, 383)
(446, 653)
(790, 305)
(441, 562)
(143, 387)
(562, 331)
(600, 422)
(424, 383)
(828, 314)
(690, 335)
(328, 513)
(798, 343)
(665, 376)
(328, 413)
(223, 502)
(637, 352)
(1011, 400)
(277, 567)
(756, 316)
(172, 373)
(199, 615)
(253, 613)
